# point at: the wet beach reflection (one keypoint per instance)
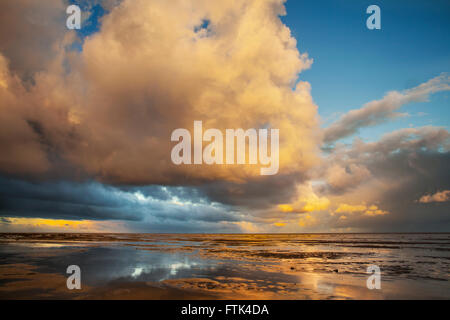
(176, 266)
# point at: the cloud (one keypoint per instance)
(85, 127)
(108, 111)
(342, 177)
(371, 210)
(391, 173)
(156, 207)
(58, 225)
(440, 196)
(247, 227)
(279, 224)
(30, 32)
(347, 167)
(378, 111)
(308, 221)
(308, 201)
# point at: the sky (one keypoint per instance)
(86, 115)
(411, 46)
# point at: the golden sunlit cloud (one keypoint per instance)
(440, 196)
(372, 210)
(12, 224)
(346, 208)
(308, 221)
(246, 227)
(285, 208)
(279, 224)
(308, 201)
(130, 87)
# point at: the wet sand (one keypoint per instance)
(219, 266)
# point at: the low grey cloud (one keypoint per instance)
(349, 166)
(397, 170)
(95, 201)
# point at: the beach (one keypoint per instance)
(224, 266)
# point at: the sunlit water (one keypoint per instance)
(219, 266)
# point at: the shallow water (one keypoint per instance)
(225, 266)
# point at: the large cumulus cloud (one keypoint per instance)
(109, 110)
(106, 112)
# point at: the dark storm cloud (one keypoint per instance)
(255, 193)
(413, 176)
(351, 166)
(61, 200)
(401, 167)
(421, 172)
(94, 201)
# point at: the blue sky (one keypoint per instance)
(354, 65)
